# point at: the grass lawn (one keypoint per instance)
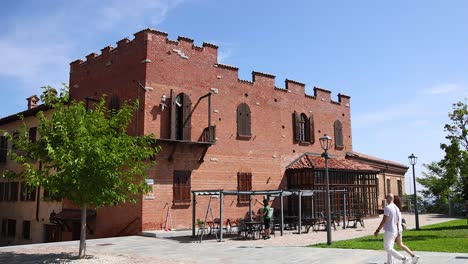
(450, 236)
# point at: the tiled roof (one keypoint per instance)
(308, 161)
(355, 154)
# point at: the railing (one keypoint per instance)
(208, 135)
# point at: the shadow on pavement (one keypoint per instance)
(25, 258)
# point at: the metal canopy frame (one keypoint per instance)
(274, 193)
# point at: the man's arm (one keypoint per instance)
(382, 223)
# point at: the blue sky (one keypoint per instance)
(402, 62)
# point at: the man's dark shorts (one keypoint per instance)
(266, 221)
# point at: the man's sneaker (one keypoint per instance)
(415, 259)
(405, 260)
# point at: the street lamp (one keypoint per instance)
(325, 142)
(412, 160)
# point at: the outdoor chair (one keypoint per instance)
(232, 224)
(202, 228)
(355, 218)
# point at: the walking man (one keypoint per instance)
(390, 225)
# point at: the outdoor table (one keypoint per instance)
(254, 228)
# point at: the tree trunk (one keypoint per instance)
(82, 252)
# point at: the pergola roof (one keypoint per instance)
(253, 192)
(310, 161)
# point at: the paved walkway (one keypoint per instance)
(175, 247)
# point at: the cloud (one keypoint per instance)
(38, 46)
(390, 113)
(446, 88)
(223, 55)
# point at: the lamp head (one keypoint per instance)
(412, 159)
(325, 142)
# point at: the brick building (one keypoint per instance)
(216, 132)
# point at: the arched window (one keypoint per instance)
(181, 117)
(338, 134)
(303, 128)
(243, 121)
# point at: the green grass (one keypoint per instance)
(450, 236)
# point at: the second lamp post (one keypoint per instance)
(325, 143)
(412, 160)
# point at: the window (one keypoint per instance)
(388, 187)
(28, 193)
(114, 103)
(244, 183)
(26, 229)
(400, 188)
(15, 137)
(11, 228)
(303, 128)
(338, 134)
(3, 149)
(181, 114)
(181, 187)
(243, 121)
(33, 134)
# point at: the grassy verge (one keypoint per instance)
(450, 236)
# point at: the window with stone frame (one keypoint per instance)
(388, 186)
(182, 187)
(243, 121)
(244, 183)
(338, 129)
(400, 188)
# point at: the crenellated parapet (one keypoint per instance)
(151, 40)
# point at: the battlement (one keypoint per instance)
(185, 48)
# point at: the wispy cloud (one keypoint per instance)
(223, 55)
(446, 88)
(38, 46)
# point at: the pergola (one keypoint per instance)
(274, 193)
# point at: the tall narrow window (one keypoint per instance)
(244, 183)
(33, 134)
(114, 103)
(303, 128)
(13, 191)
(338, 134)
(400, 188)
(388, 186)
(27, 193)
(26, 229)
(243, 121)
(3, 149)
(181, 116)
(181, 187)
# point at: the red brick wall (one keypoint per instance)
(265, 155)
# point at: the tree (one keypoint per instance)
(86, 155)
(455, 161)
(438, 186)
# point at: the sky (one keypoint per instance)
(404, 63)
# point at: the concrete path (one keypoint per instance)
(177, 247)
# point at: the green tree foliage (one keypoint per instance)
(455, 161)
(437, 188)
(85, 155)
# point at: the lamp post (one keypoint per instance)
(412, 160)
(325, 142)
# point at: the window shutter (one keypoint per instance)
(23, 191)
(338, 134)
(173, 116)
(243, 120)
(311, 130)
(33, 134)
(296, 126)
(186, 117)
